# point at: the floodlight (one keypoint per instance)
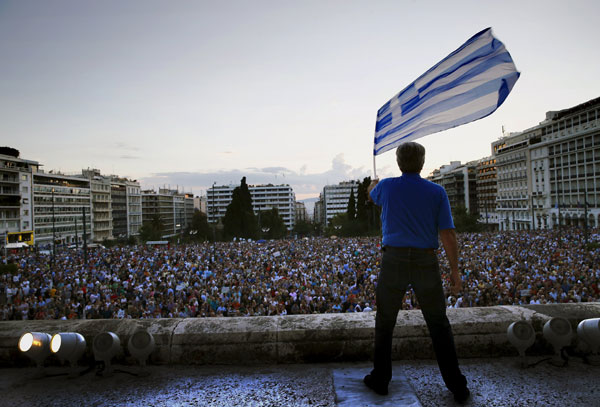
(68, 346)
(558, 332)
(36, 345)
(521, 335)
(141, 345)
(588, 330)
(106, 346)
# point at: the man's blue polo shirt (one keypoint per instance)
(413, 209)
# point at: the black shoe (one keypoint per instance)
(376, 386)
(462, 395)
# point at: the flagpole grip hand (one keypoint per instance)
(372, 185)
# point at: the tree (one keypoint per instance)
(304, 228)
(199, 227)
(239, 220)
(351, 211)
(272, 221)
(13, 152)
(367, 213)
(465, 221)
(152, 229)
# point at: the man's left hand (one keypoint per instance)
(455, 283)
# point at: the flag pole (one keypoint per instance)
(374, 168)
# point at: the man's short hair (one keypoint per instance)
(410, 157)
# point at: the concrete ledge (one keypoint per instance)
(478, 332)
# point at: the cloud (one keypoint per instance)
(129, 157)
(304, 184)
(124, 146)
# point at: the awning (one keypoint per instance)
(18, 245)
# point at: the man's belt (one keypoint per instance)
(408, 250)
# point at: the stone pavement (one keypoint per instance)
(493, 382)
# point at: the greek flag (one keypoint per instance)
(467, 85)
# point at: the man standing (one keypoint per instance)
(413, 212)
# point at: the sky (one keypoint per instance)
(185, 94)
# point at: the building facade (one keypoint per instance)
(282, 197)
(487, 186)
(460, 182)
(61, 205)
(102, 220)
(564, 171)
(301, 214)
(264, 198)
(174, 208)
(16, 200)
(512, 162)
(334, 200)
(134, 207)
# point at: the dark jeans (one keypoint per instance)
(418, 267)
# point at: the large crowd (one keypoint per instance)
(302, 276)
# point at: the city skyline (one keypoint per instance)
(194, 93)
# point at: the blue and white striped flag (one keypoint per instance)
(467, 85)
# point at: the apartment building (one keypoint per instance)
(564, 170)
(102, 220)
(460, 182)
(174, 208)
(487, 186)
(301, 214)
(264, 198)
(334, 200)
(16, 200)
(61, 205)
(134, 207)
(126, 206)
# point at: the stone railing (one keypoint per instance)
(317, 338)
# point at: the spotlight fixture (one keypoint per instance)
(558, 332)
(68, 346)
(36, 345)
(588, 330)
(521, 335)
(141, 345)
(106, 346)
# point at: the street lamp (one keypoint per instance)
(265, 230)
(53, 233)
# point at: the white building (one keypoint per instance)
(134, 207)
(264, 198)
(549, 175)
(334, 200)
(282, 197)
(102, 217)
(564, 171)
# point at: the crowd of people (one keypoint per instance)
(302, 276)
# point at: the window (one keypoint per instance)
(24, 177)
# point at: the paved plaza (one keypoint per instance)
(493, 382)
